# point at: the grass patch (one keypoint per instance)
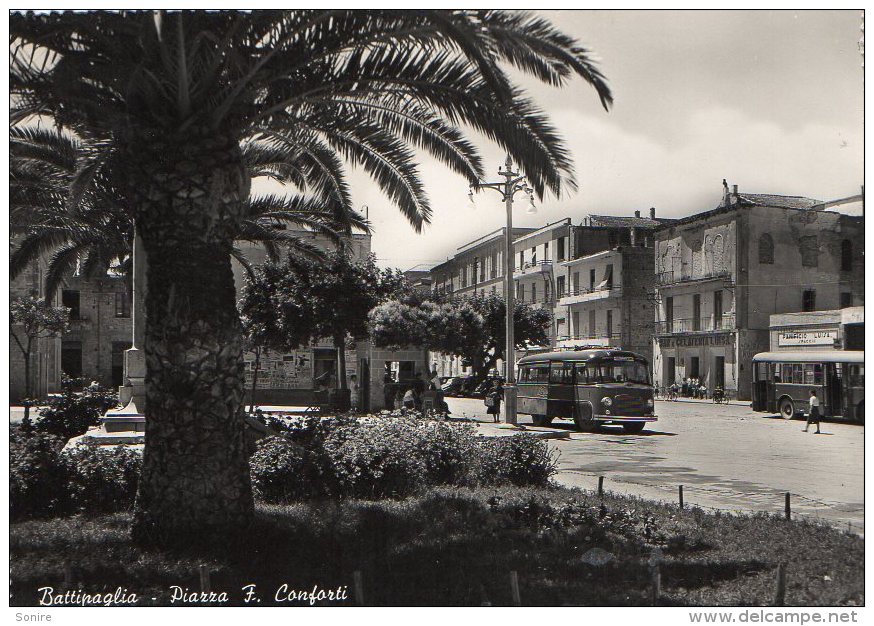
(456, 546)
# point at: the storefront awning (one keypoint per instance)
(811, 356)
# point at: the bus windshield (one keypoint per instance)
(618, 372)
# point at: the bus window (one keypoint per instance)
(817, 374)
(537, 373)
(562, 373)
(582, 374)
(808, 374)
(524, 374)
(620, 372)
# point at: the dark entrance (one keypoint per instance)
(71, 358)
(694, 371)
(833, 389)
(719, 372)
(670, 371)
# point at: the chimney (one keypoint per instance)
(637, 214)
(652, 212)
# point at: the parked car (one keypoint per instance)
(460, 386)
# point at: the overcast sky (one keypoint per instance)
(771, 101)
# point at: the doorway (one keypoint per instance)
(670, 371)
(719, 372)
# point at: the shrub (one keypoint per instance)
(450, 453)
(101, 480)
(37, 475)
(283, 471)
(521, 460)
(376, 460)
(73, 412)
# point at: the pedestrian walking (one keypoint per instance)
(813, 412)
(353, 392)
(493, 401)
(436, 386)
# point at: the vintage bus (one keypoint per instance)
(591, 387)
(783, 380)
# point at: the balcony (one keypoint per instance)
(587, 294)
(598, 338)
(533, 267)
(666, 279)
(696, 325)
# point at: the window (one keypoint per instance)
(122, 304)
(538, 373)
(619, 372)
(808, 300)
(609, 322)
(591, 280)
(809, 251)
(521, 259)
(70, 299)
(576, 283)
(560, 330)
(669, 314)
(546, 251)
(534, 255)
(534, 292)
(717, 309)
(846, 255)
(559, 286)
(766, 249)
(575, 318)
(562, 373)
(521, 292)
(592, 319)
(561, 248)
(696, 311)
(608, 277)
(846, 299)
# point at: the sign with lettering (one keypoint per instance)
(293, 370)
(691, 341)
(807, 338)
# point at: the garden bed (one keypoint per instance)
(457, 546)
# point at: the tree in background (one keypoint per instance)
(295, 303)
(472, 328)
(35, 319)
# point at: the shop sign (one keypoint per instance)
(691, 341)
(292, 370)
(808, 338)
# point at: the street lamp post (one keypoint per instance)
(508, 187)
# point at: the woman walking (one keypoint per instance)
(493, 401)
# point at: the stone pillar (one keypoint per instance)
(132, 395)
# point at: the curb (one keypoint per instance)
(539, 434)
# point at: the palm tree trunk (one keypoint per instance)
(195, 482)
(340, 346)
(256, 367)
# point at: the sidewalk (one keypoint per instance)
(705, 401)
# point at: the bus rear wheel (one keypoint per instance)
(787, 409)
(542, 420)
(633, 427)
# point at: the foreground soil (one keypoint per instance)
(452, 547)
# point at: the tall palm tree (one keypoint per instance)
(181, 94)
(97, 233)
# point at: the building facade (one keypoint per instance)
(721, 274)
(477, 267)
(605, 285)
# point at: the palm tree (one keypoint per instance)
(97, 234)
(182, 94)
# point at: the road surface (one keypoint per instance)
(726, 457)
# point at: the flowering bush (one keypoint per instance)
(73, 412)
(521, 460)
(450, 453)
(376, 460)
(283, 471)
(101, 480)
(37, 475)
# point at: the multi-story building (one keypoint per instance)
(476, 267)
(720, 275)
(604, 287)
(535, 257)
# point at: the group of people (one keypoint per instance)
(690, 388)
(410, 394)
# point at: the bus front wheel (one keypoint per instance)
(787, 409)
(583, 418)
(633, 427)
